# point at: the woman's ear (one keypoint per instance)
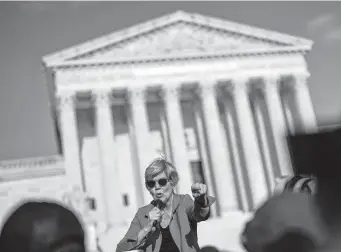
(172, 184)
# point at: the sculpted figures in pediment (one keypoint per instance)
(180, 38)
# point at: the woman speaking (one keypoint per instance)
(169, 222)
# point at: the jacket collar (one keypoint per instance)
(176, 203)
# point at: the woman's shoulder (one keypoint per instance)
(144, 210)
(183, 198)
(188, 199)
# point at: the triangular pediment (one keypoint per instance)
(179, 38)
(175, 34)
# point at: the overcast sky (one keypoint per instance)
(29, 30)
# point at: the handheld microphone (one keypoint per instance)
(159, 204)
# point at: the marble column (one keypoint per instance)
(176, 132)
(218, 151)
(140, 127)
(203, 152)
(106, 143)
(231, 131)
(69, 136)
(164, 133)
(271, 87)
(250, 148)
(259, 114)
(288, 117)
(304, 104)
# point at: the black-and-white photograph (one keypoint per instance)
(170, 126)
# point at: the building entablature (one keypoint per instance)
(90, 78)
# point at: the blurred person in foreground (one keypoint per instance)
(298, 221)
(169, 222)
(325, 155)
(319, 154)
(42, 227)
(286, 222)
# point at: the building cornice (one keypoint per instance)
(131, 61)
(30, 168)
(35, 173)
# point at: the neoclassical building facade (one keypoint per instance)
(215, 97)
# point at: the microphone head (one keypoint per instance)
(159, 203)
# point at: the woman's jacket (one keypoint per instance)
(183, 227)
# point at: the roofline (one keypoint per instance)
(122, 34)
(179, 57)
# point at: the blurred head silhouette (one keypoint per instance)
(209, 249)
(42, 227)
(285, 222)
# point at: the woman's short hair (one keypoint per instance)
(160, 165)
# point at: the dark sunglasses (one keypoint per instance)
(161, 182)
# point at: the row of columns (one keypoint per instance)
(218, 157)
